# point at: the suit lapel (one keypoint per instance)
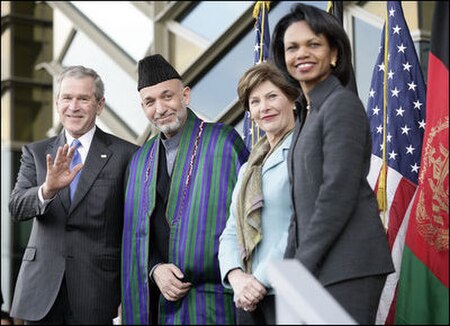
(99, 154)
(295, 136)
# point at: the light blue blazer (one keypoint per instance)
(275, 218)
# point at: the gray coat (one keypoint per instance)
(336, 231)
(82, 240)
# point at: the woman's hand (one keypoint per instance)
(248, 291)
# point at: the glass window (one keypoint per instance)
(183, 52)
(122, 22)
(61, 33)
(217, 89)
(214, 93)
(365, 54)
(210, 19)
(120, 89)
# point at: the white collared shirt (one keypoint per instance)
(85, 141)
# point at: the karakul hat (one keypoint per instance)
(153, 70)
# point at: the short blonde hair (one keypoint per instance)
(259, 73)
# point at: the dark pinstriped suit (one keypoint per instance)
(81, 240)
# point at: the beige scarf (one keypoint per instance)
(250, 200)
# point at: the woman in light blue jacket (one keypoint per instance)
(261, 208)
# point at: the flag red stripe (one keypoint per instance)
(402, 198)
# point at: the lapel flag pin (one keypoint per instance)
(103, 156)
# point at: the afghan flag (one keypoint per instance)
(423, 286)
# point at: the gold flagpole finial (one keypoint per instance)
(329, 6)
(257, 7)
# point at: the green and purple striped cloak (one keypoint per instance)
(197, 214)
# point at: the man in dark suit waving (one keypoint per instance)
(72, 186)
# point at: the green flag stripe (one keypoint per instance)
(422, 298)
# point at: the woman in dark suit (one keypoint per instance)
(336, 231)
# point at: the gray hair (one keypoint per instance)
(81, 72)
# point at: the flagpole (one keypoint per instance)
(261, 45)
(381, 193)
(261, 37)
(259, 13)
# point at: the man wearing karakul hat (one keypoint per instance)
(176, 206)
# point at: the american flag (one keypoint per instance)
(397, 119)
(261, 50)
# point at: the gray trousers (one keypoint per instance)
(359, 297)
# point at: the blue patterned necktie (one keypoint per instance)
(76, 159)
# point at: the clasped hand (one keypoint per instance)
(167, 277)
(58, 171)
(248, 291)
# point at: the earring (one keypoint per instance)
(333, 64)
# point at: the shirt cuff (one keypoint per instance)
(150, 274)
(260, 275)
(43, 202)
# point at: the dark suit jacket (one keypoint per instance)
(336, 231)
(81, 240)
